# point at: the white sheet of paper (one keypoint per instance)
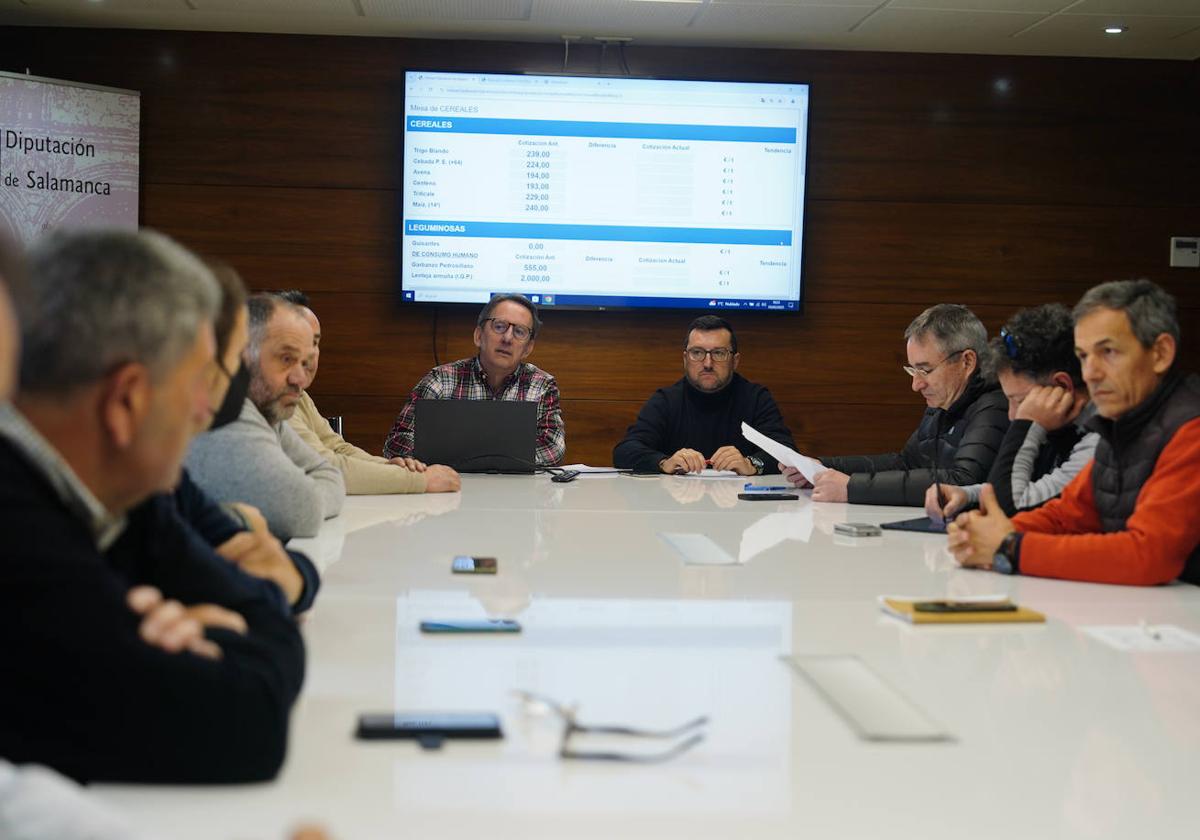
(1145, 638)
(810, 468)
(698, 549)
(723, 474)
(592, 472)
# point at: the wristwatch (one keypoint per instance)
(1007, 559)
(757, 463)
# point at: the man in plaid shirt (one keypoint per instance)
(504, 334)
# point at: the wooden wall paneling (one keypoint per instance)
(346, 240)
(849, 352)
(323, 111)
(927, 182)
(315, 239)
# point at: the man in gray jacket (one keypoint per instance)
(965, 420)
(259, 458)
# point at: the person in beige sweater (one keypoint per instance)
(364, 473)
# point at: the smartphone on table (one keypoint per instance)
(421, 725)
(470, 625)
(464, 565)
(964, 606)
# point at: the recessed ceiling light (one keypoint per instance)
(1113, 30)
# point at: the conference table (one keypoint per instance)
(650, 602)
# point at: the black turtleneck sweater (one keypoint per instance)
(682, 417)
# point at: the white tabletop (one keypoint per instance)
(1055, 734)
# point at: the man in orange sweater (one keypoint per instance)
(1130, 516)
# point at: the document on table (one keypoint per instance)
(810, 468)
(593, 472)
(711, 473)
(1146, 637)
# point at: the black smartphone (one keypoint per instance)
(964, 606)
(463, 565)
(471, 625)
(374, 727)
(768, 497)
(565, 476)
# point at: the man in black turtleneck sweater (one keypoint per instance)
(697, 422)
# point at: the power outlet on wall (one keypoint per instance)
(1185, 251)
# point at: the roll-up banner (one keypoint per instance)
(68, 156)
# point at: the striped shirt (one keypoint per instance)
(467, 380)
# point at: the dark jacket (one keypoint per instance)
(962, 441)
(213, 524)
(85, 695)
(682, 417)
(1129, 448)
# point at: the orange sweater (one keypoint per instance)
(1063, 539)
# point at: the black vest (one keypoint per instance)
(1129, 448)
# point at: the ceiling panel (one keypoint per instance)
(97, 9)
(1038, 6)
(1169, 8)
(290, 7)
(776, 24)
(481, 10)
(1146, 36)
(1158, 28)
(854, 4)
(925, 26)
(612, 15)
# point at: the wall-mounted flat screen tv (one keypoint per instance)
(603, 192)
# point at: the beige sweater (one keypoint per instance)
(365, 474)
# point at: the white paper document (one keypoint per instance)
(592, 472)
(723, 474)
(1146, 637)
(810, 468)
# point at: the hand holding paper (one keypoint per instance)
(810, 468)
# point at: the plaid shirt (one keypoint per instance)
(466, 380)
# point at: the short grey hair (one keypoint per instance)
(263, 306)
(953, 327)
(520, 300)
(98, 299)
(1150, 308)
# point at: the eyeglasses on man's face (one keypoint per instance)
(925, 373)
(500, 327)
(697, 354)
(685, 736)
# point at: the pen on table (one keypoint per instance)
(751, 486)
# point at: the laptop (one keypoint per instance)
(473, 436)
